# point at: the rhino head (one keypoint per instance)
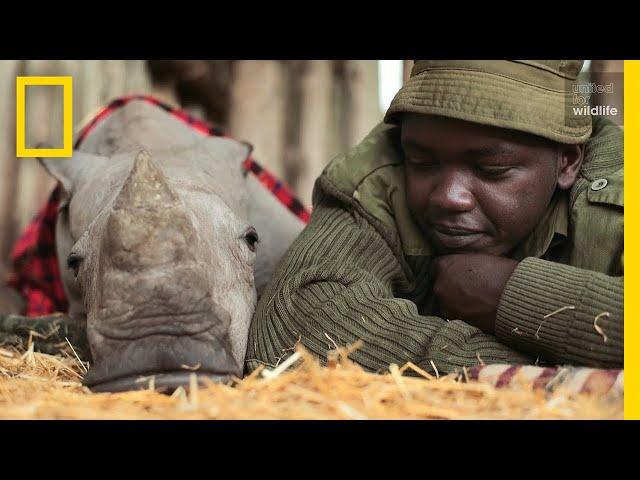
(160, 251)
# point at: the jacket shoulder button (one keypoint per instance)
(599, 184)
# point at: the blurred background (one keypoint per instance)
(298, 114)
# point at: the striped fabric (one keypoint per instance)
(570, 379)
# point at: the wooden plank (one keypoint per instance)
(258, 97)
(364, 110)
(34, 183)
(8, 161)
(137, 79)
(90, 96)
(316, 108)
(114, 82)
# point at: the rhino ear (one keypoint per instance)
(68, 171)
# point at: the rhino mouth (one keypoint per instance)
(166, 382)
(163, 360)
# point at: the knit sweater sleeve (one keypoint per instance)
(335, 286)
(564, 313)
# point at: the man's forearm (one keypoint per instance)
(563, 313)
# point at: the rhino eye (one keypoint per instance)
(251, 237)
(74, 261)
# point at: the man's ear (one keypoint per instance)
(69, 171)
(570, 162)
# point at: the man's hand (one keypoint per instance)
(468, 287)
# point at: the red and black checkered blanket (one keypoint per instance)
(35, 273)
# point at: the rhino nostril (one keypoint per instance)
(74, 260)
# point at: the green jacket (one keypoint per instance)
(360, 268)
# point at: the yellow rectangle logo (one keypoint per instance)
(67, 87)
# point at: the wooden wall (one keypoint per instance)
(297, 114)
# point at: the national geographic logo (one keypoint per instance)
(21, 88)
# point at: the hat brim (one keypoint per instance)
(493, 100)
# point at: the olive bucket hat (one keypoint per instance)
(531, 96)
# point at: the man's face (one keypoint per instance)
(475, 188)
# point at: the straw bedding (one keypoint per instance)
(40, 386)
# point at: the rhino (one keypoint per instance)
(164, 245)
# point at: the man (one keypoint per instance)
(482, 223)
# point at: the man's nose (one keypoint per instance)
(452, 193)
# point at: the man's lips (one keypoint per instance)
(454, 230)
(454, 237)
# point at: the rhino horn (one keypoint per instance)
(149, 224)
(146, 187)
